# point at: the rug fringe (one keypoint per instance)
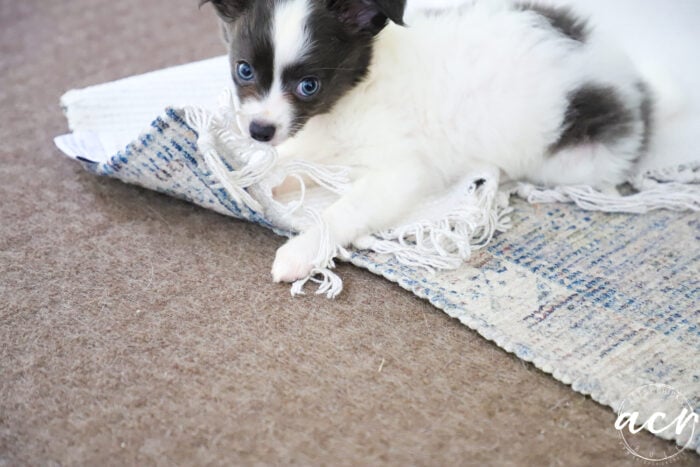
(670, 196)
(448, 240)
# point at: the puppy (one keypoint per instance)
(532, 90)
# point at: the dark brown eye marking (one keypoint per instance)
(247, 91)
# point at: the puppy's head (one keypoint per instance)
(294, 59)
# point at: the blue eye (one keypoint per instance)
(245, 71)
(308, 87)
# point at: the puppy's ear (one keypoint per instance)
(228, 10)
(225, 31)
(368, 16)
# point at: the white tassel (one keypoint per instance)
(230, 111)
(251, 162)
(448, 240)
(201, 121)
(329, 284)
(232, 181)
(332, 178)
(671, 196)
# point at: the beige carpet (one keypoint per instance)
(136, 329)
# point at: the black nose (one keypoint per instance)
(261, 132)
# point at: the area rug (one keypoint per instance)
(605, 302)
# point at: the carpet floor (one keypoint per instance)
(136, 329)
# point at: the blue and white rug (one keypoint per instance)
(604, 302)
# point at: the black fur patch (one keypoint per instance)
(595, 113)
(251, 41)
(562, 19)
(647, 114)
(340, 60)
(370, 16)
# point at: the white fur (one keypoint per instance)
(448, 94)
(291, 43)
(289, 33)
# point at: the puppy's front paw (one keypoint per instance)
(294, 260)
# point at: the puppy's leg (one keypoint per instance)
(588, 164)
(375, 202)
(309, 145)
